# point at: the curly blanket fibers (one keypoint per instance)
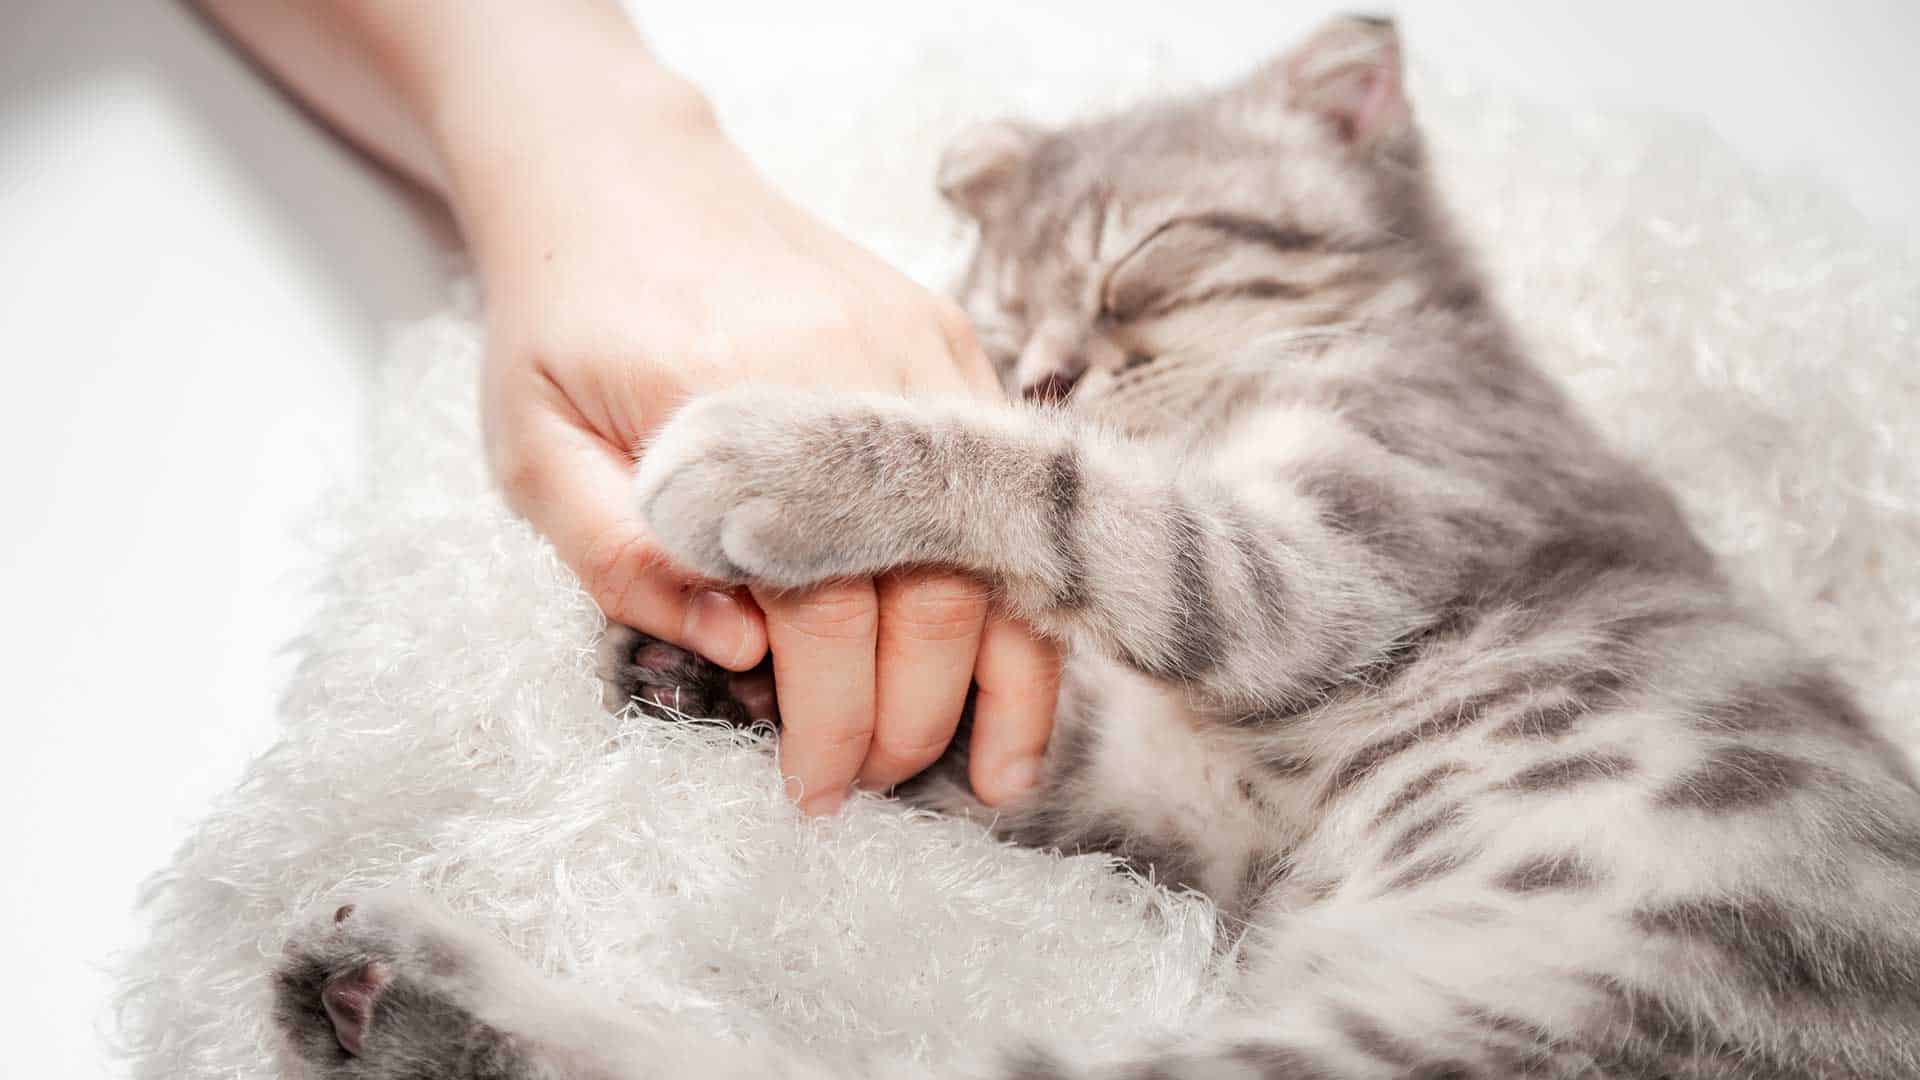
(1750, 338)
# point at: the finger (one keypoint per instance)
(577, 490)
(975, 368)
(823, 656)
(929, 634)
(1018, 674)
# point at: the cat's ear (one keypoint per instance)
(1349, 75)
(981, 167)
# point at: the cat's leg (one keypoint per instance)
(1246, 575)
(390, 986)
(1442, 981)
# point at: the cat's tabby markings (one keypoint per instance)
(1373, 640)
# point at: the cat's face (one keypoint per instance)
(1195, 228)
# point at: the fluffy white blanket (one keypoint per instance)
(1752, 339)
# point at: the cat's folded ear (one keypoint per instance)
(981, 168)
(1348, 73)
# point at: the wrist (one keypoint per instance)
(560, 163)
(513, 98)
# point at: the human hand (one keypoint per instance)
(633, 258)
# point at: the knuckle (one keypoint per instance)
(838, 612)
(853, 736)
(940, 608)
(954, 325)
(517, 470)
(915, 747)
(611, 568)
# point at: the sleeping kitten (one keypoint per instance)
(1373, 640)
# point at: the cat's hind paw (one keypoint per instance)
(668, 682)
(377, 984)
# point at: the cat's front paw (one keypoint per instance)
(786, 488)
(374, 984)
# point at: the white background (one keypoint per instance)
(194, 283)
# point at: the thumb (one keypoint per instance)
(577, 489)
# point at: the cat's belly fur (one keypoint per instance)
(1175, 780)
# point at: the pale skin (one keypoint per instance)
(631, 258)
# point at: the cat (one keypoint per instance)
(1372, 639)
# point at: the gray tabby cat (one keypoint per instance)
(1373, 640)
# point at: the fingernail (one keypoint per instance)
(822, 803)
(1020, 776)
(714, 627)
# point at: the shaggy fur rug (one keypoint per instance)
(1752, 339)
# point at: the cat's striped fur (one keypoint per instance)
(1374, 641)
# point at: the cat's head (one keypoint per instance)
(1194, 228)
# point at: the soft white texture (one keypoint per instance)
(1749, 337)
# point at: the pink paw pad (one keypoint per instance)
(349, 1001)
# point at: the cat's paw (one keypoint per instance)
(785, 488)
(374, 984)
(668, 682)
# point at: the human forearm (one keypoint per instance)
(447, 93)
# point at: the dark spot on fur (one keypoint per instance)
(1645, 1034)
(1548, 721)
(1356, 505)
(1319, 889)
(1283, 766)
(1460, 296)
(1373, 1040)
(1515, 1047)
(1161, 859)
(1735, 778)
(1064, 483)
(1254, 546)
(1271, 1061)
(1508, 1025)
(1565, 872)
(1580, 696)
(864, 440)
(1416, 789)
(1449, 719)
(1263, 871)
(1033, 1063)
(1400, 655)
(1423, 830)
(1197, 633)
(1422, 871)
(1442, 1070)
(1819, 697)
(1801, 954)
(1559, 774)
(1568, 567)
(1807, 701)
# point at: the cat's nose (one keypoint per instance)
(1051, 388)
